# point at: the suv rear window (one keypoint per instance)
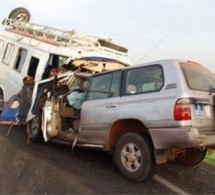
(198, 77)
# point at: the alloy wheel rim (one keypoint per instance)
(131, 157)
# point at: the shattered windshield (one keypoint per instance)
(198, 77)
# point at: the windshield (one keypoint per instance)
(198, 77)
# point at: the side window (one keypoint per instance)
(56, 61)
(115, 84)
(20, 59)
(54, 64)
(33, 67)
(143, 80)
(105, 86)
(8, 53)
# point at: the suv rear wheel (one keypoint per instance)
(191, 157)
(133, 157)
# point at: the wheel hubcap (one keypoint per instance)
(22, 17)
(131, 157)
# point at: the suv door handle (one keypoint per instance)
(110, 105)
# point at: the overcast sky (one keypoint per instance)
(150, 29)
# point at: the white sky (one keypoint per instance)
(150, 29)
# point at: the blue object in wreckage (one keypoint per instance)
(8, 114)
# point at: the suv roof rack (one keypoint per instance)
(59, 37)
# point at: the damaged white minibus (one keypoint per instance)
(32, 54)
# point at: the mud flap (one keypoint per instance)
(76, 138)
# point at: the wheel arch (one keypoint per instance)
(123, 126)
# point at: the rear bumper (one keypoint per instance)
(184, 137)
(208, 140)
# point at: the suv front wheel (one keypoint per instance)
(133, 157)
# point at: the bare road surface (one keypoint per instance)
(50, 168)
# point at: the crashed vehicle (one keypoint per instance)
(31, 55)
(143, 115)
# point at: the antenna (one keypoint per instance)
(162, 40)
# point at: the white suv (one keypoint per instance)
(144, 115)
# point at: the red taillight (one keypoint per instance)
(182, 110)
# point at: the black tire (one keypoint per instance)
(1, 96)
(21, 14)
(1, 100)
(134, 157)
(191, 157)
(36, 134)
